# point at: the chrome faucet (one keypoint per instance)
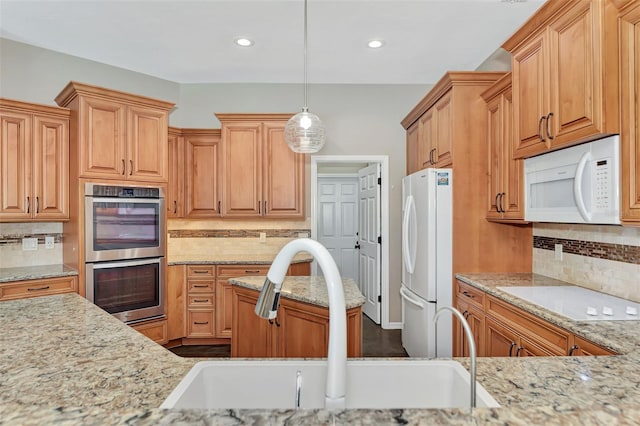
(268, 301)
(472, 346)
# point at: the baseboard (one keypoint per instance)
(393, 326)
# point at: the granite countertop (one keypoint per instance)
(246, 259)
(35, 272)
(62, 359)
(308, 289)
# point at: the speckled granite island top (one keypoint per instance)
(35, 272)
(63, 360)
(308, 289)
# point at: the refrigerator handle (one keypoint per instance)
(409, 298)
(406, 254)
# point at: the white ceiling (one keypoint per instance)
(192, 41)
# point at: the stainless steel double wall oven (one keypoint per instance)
(125, 231)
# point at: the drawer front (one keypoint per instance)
(34, 288)
(156, 331)
(201, 286)
(200, 271)
(541, 332)
(201, 301)
(583, 347)
(470, 294)
(242, 270)
(200, 323)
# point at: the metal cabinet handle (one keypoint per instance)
(466, 293)
(28, 204)
(200, 300)
(175, 207)
(130, 167)
(219, 206)
(276, 322)
(540, 135)
(124, 167)
(37, 204)
(513, 344)
(496, 202)
(432, 156)
(518, 351)
(501, 202)
(201, 323)
(46, 287)
(265, 207)
(200, 271)
(466, 314)
(251, 271)
(573, 349)
(200, 286)
(259, 207)
(548, 119)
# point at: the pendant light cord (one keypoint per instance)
(304, 108)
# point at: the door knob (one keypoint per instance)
(357, 245)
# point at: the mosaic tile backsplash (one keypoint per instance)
(11, 235)
(601, 258)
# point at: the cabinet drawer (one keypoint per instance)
(156, 331)
(537, 330)
(242, 270)
(583, 347)
(33, 288)
(201, 286)
(200, 271)
(201, 301)
(470, 294)
(200, 323)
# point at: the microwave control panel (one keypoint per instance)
(602, 175)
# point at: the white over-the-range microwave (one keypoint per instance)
(580, 184)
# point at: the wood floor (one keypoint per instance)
(376, 342)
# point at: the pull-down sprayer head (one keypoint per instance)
(269, 299)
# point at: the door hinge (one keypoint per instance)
(380, 298)
(379, 181)
(380, 240)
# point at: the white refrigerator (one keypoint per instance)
(427, 262)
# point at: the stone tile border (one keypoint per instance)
(237, 233)
(608, 251)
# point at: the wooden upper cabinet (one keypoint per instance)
(443, 141)
(34, 155)
(175, 174)
(261, 176)
(426, 134)
(118, 135)
(630, 112)
(414, 162)
(565, 76)
(202, 186)
(505, 201)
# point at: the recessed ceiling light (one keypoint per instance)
(375, 44)
(244, 42)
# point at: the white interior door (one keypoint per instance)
(338, 222)
(369, 233)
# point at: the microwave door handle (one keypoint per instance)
(577, 186)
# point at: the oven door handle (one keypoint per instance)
(122, 263)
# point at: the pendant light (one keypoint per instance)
(304, 132)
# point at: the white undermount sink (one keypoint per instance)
(271, 384)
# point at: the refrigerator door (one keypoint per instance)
(424, 272)
(418, 332)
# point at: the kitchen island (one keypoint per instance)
(63, 359)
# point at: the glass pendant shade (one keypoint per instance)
(304, 133)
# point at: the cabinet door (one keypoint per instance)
(530, 104)
(283, 175)
(583, 347)
(414, 159)
(443, 140)
(475, 319)
(202, 176)
(426, 149)
(630, 111)
(224, 309)
(16, 166)
(500, 340)
(102, 151)
(51, 168)
(303, 333)
(242, 169)
(175, 177)
(496, 156)
(257, 335)
(146, 144)
(176, 302)
(512, 201)
(200, 323)
(574, 98)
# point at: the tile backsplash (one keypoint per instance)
(11, 235)
(599, 257)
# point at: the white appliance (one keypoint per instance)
(427, 262)
(580, 184)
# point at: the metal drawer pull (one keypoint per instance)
(200, 285)
(200, 300)
(201, 323)
(573, 349)
(200, 271)
(466, 293)
(38, 288)
(251, 271)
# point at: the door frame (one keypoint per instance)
(383, 160)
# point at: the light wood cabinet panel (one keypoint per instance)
(200, 323)
(475, 319)
(176, 301)
(505, 199)
(154, 330)
(302, 334)
(258, 336)
(202, 152)
(34, 154)
(35, 288)
(118, 135)
(630, 111)
(565, 76)
(262, 177)
(443, 141)
(583, 347)
(175, 174)
(426, 149)
(500, 341)
(414, 162)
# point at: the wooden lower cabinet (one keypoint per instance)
(476, 320)
(301, 330)
(33, 288)
(583, 347)
(154, 330)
